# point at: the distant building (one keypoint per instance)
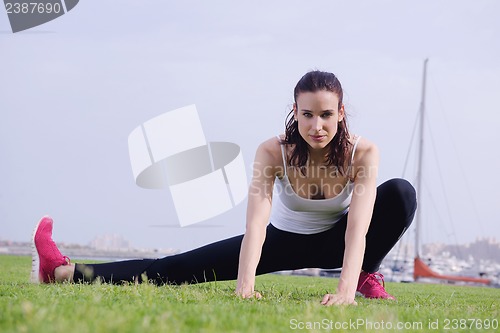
(112, 242)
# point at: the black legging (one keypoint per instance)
(393, 213)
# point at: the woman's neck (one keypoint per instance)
(317, 156)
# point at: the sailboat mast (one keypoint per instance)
(420, 269)
(420, 158)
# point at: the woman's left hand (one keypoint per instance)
(337, 299)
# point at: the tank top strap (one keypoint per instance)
(354, 150)
(349, 167)
(282, 153)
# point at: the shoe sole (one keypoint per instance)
(35, 257)
(361, 295)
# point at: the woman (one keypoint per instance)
(329, 213)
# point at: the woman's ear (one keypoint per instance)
(341, 113)
(295, 111)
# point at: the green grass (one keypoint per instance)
(288, 303)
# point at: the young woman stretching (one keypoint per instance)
(328, 213)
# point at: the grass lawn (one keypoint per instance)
(290, 303)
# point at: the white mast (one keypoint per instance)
(420, 158)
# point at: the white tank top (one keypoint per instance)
(292, 213)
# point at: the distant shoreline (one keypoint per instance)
(88, 253)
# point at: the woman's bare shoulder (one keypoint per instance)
(269, 153)
(364, 144)
(271, 147)
(366, 151)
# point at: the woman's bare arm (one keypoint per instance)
(258, 211)
(358, 221)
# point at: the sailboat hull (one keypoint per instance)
(421, 270)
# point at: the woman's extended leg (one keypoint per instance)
(216, 261)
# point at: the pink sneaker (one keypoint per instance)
(369, 286)
(45, 254)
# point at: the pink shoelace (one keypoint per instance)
(373, 277)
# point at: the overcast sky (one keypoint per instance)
(73, 89)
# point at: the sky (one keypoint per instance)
(73, 89)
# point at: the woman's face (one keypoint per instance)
(318, 117)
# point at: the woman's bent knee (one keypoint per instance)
(401, 195)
